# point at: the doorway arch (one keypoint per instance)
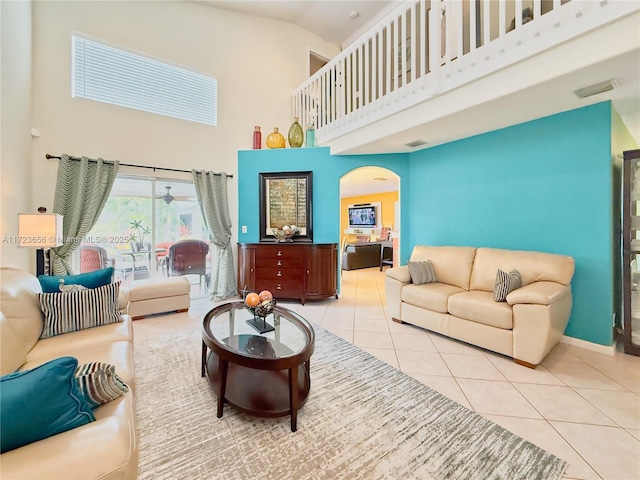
(370, 185)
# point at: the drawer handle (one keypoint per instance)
(279, 287)
(279, 253)
(279, 263)
(279, 274)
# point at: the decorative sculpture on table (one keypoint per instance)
(286, 234)
(260, 305)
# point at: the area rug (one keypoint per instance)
(363, 420)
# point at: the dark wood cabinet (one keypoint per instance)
(289, 270)
(631, 252)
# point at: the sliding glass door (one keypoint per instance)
(144, 222)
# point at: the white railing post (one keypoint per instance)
(388, 65)
(537, 8)
(412, 47)
(518, 14)
(472, 26)
(435, 35)
(366, 73)
(486, 24)
(402, 46)
(502, 15)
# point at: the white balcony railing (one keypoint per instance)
(425, 48)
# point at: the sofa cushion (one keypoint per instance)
(99, 383)
(432, 296)
(452, 265)
(421, 272)
(22, 325)
(533, 267)
(42, 402)
(95, 279)
(66, 312)
(505, 284)
(479, 306)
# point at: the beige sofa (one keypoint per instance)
(461, 305)
(104, 449)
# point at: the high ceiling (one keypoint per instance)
(333, 20)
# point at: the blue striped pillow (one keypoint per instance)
(66, 312)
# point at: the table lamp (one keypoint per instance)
(41, 231)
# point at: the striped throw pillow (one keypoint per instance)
(421, 272)
(66, 312)
(99, 383)
(505, 284)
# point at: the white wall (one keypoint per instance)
(258, 62)
(15, 129)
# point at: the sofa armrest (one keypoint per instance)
(539, 293)
(399, 273)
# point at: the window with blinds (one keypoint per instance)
(112, 75)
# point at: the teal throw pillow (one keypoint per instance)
(38, 403)
(97, 278)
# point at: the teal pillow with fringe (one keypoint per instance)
(41, 402)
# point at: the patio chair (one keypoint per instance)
(188, 257)
(93, 257)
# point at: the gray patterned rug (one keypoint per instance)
(363, 420)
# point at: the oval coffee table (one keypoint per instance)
(266, 375)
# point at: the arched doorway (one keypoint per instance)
(370, 210)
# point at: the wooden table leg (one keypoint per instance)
(293, 397)
(223, 366)
(204, 359)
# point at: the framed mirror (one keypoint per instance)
(285, 199)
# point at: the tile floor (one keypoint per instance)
(580, 405)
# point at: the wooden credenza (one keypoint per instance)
(289, 270)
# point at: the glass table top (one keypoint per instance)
(227, 325)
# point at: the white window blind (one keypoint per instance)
(116, 76)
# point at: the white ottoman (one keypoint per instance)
(158, 295)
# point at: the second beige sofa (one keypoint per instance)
(460, 303)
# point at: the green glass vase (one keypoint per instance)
(296, 135)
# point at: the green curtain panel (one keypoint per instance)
(82, 189)
(211, 190)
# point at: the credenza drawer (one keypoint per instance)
(280, 252)
(277, 262)
(280, 273)
(281, 287)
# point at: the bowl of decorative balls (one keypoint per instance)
(260, 305)
(285, 234)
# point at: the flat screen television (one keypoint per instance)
(363, 217)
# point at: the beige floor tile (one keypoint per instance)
(384, 354)
(370, 311)
(341, 322)
(559, 354)
(622, 407)
(346, 334)
(581, 375)
(497, 398)
(612, 452)
(416, 342)
(540, 433)
(471, 366)
(447, 386)
(635, 433)
(517, 373)
(562, 404)
(448, 345)
(371, 325)
(427, 363)
(395, 327)
(372, 339)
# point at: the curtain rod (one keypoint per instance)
(48, 156)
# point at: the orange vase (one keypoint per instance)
(275, 139)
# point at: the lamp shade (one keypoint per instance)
(39, 230)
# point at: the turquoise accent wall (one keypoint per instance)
(327, 170)
(544, 185)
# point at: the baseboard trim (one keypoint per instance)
(594, 347)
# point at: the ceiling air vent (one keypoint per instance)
(415, 143)
(596, 88)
